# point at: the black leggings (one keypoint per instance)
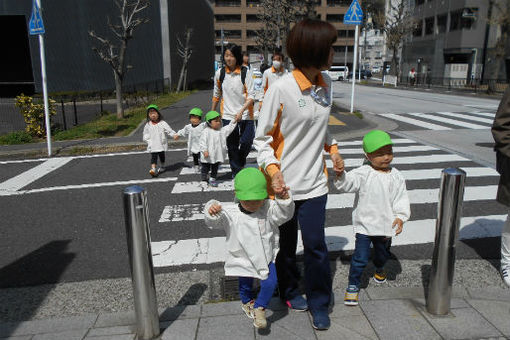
(154, 157)
(196, 158)
(205, 170)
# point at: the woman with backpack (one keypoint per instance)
(234, 91)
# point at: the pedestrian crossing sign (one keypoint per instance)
(354, 15)
(35, 24)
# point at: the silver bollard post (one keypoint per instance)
(140, 260)
(451, 194)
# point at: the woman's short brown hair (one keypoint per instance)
(309, 43)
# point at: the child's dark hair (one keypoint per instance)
(155, 108)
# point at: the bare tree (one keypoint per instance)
(185, 51)
(111, 52)
(501, 21)
(277, 16)
(397, 23)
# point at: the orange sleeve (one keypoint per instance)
(331, 148)
(272, 169)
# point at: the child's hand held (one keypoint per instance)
(214, 209)
(206, 154)
(400, 224)
(176, 137)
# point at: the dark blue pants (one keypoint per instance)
(239, 144)
(362, 254)
(311, 215)
(267, 287)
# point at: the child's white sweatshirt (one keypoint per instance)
(252, 239)
(382, 197)
(155, 136)
(193, 133)
(215, 143)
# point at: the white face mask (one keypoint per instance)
(277, 64)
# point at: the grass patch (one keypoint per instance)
(16, 137)
(358, 114)
(109, 125)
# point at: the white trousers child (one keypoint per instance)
(505, 242)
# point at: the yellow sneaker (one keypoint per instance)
(259, 317)
(248, 308)
(380, 276)
(351, 296)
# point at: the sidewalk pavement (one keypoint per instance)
(383, 313)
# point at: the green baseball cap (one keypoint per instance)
(250, 184)
(153, 106)
(375, 140)
(196, 112)
(211, 115)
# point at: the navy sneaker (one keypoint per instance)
(321, 320)
(297, 303)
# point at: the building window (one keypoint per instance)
(340, 49)
(251, 34)
(468, 18)
(228, 3)
(455, 18)
(252, 18)
(342, 33)
(252, 3)
(232, 34)
(332, 3)
(252, 49)
(228, 17)
(441, 23)
(429, 26)
(418, 30)
(350, 33)
(420, 2)
(335, 17)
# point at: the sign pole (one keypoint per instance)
(354, 61)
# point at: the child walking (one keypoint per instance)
(193, 131)
(382, 204)
(154, 134)
(252, 238)
(213, 144)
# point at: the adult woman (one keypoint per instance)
(290, 139)
(235, 89)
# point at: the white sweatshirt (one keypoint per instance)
(233, 93)
(215, 143)
(155, 136)
(193, 134)
(252, 239)
(381, 197)
(271, 75)
(292, 134)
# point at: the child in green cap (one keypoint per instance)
(252, 238)
(213, 144)
(382, 205)
(193, 131)
(154, 134)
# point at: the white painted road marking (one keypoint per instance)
(416, 122)
(449, 121)
(213, 250)
(15, 183)
(467, 117)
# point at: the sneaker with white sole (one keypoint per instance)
(505, 274)
(153, 172)
(248, 308)
(297, 303)
(259, 317)
(380, 276)
(212, 182)
(161, 169)
(196, 168)
(351, 297)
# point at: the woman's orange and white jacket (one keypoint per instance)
(292, 133)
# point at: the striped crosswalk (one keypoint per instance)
(445, 120)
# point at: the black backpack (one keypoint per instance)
(244, 70)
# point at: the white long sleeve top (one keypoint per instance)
(271, 75)
(193, 133)
(381, 197)
(232, 93)
(215, 143)
(292, 134)
(252, 239)
(155, 136)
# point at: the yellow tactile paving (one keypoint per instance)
(335, 121)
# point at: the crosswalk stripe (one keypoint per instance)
(416, 122)
(484, 114)
(467, 117)
(194, 211)
(396, 149)
(360, 142)
(448, 121)
(213, 250)
(353, 162)
(15, 183)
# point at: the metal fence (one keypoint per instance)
(497, 86)
(79, 108)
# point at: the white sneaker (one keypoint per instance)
(505, 274)
(197, 169)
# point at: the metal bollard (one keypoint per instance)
(140, 260)
(451, 194)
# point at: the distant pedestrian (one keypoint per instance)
(213, 146)
(233, 86)
(154, 134)
(251, 227)
(275, 72)
(246, 60)
(412, 76)
(193, 131)
(501, 134)
(382, 205)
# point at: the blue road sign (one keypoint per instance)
(354, 15)
(36, 25)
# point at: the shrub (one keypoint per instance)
(16, 137)
(33, 114)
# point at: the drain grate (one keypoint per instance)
(230, 288)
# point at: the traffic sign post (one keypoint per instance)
(354, 16)
(36, 27)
